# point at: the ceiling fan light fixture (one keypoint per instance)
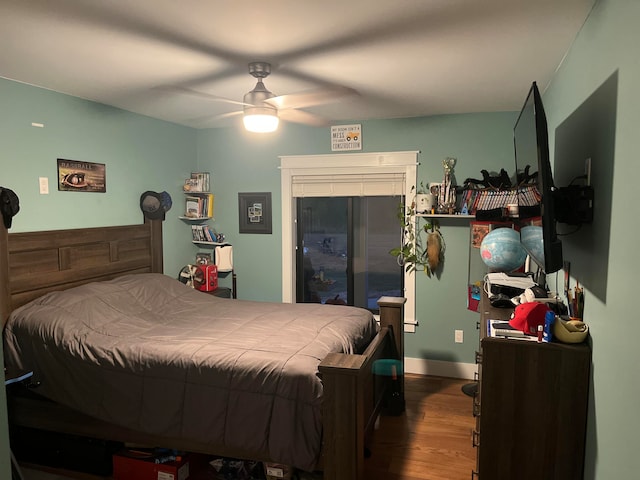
(260, 117)
(260, 122)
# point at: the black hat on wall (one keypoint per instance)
(154, 205)
(9, 205)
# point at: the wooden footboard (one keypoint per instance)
(352, 398)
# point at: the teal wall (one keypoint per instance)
(243, 162)
(602, 51)
(142, 153)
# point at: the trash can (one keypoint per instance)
(389, 371)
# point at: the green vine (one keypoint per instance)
(413, 254)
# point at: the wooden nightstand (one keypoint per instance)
(222, 292)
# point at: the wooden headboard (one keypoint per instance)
(34, 263)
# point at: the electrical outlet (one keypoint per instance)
(459, 336)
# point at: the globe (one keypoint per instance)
(531, 238)
(502, 251)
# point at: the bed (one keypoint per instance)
(320, 422)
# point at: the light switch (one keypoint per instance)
(44, 185)
(459, 336)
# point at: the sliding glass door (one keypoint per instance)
(343, 248)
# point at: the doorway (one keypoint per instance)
(343, 246)
(334, 175)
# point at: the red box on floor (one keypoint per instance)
(128, 467)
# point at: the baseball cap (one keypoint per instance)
(9, 205)
(154, 205)
(527, 316)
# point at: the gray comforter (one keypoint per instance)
(146, 352)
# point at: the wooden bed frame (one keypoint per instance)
(34, 263)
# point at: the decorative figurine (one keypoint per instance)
(447, 201)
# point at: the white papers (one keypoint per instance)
(502, 329)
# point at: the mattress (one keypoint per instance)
(146, 352)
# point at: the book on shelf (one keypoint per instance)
(208, 234)
(202, 181)
(193, 207)
(203, 233)
(195, 233)
(502, 328)
(209, 205)
(199, 206)
(198, 182)
(491, 198)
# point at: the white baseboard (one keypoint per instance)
(440, 368)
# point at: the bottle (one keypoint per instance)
(547, 334)
(540, 333)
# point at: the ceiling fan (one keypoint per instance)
(262, 109)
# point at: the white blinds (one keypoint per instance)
(344, 185)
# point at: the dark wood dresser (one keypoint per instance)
(530, 407)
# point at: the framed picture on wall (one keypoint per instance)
(254, 211)
(479, 230)
(76, 176)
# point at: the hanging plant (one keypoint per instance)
(413, 254)
(435, 248)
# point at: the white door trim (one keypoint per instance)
(405, 163)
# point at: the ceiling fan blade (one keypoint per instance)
(213, 118)
(188, 91)
(212, 121)
(300, 116)
(310, 98)
(228, 115)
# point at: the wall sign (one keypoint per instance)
(346, 137)
(75, 176)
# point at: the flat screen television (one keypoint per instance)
(531, 144)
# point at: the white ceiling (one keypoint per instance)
(404, 58)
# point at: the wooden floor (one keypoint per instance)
(430, 441)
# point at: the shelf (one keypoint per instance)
(214, 244)
(444, 215)
(195, 219)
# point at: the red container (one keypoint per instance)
(205, 278)
(128, 467)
